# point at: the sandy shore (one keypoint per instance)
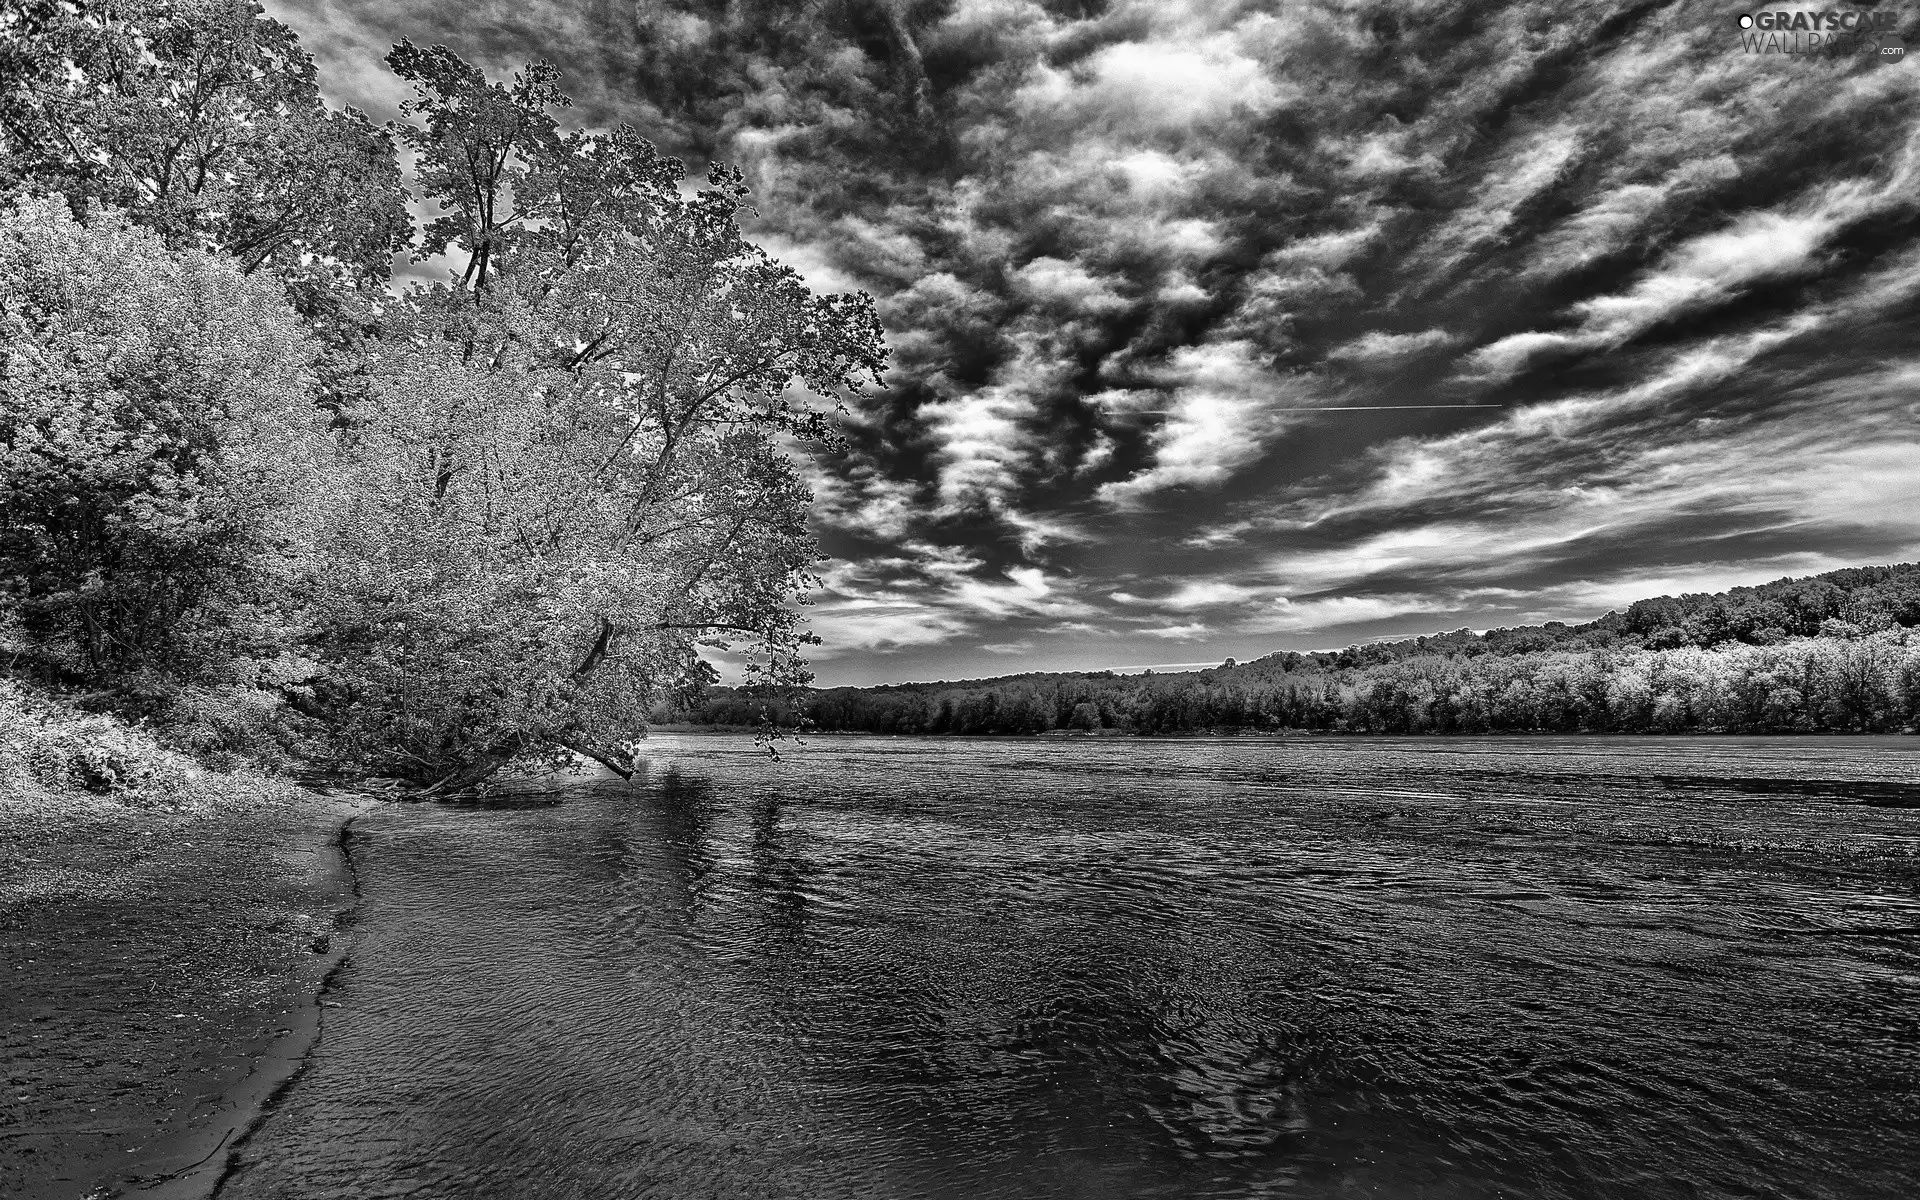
(164, 977)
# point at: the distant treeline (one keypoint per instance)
(1835, 652)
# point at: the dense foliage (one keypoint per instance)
(563, 468)
(1836, 652)
(204, 120)
(249, 494)
(157, 442)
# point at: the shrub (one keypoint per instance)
(161, 457)
(46, 747)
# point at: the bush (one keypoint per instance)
(161, 458)
(46, 747)
(236, 726)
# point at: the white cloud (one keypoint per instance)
(1619, 214)
(1068, 285)
(1037, 531)
(1285, 615)
(1220, 417)
(1511, 354)
(1019, 647)
(1153, 85)
(1533, 165)
(1098, 455)
(880, 629)
(1225, 534)
(1709, 268)
(986, 435)
(861, 499)
(1028, 591)
(1153, 176)
(1180, 633)
(1194, 594)
(1712, 268)
(1378, 347)
(814, 263)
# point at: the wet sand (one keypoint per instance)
(164, 975)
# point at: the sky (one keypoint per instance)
(1226, 328)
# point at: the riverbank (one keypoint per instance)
(167, 931)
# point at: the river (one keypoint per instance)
(1310, 967)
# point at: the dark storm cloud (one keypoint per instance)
(1126, 250)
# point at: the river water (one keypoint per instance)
(1315, 967)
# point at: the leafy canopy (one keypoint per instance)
(202, 119)
(160, 455)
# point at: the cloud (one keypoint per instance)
(1713, 268)
(1376, 346)
(1618, 216)
(1180, 633)
(988, 436)
(1024, 591)
(1154, 85)
(1707, 270)
(1035, 531)
(1223, 411)
(1069, 286)
(858, 498)
(1019, 647)
(1194, 594)
(1285, 615)
(881, 629)
(1524, 172)
(814, 263)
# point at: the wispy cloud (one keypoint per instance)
(1225, 407)
(1019, 647)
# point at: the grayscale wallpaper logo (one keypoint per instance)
(1872, 34)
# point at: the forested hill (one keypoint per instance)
(1864, 598)
(1832, 652)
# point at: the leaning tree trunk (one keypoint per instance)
(476, 769)
(613, 758)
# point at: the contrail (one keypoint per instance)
(1167, 412)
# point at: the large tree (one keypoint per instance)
(202, 119)
(571, 463)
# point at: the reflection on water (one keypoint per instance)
(1318, 968)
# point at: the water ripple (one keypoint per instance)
(1243, 968)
